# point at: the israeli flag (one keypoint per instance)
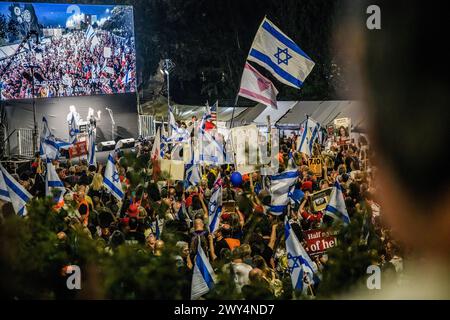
(92, 160)
(302, 269)
(52, 182)
(279, 189)
(111, 179)
(50, 146)
(177, 134)
(210, 151)
(192, 170)
(73, 129)
(203, 277)
(215, 208)
(16, 193)
(310, 132)
(276, 52)
(295, 195)
(336, 207)
(4, 193)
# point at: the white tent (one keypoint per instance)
(258, 114)
(325, 112)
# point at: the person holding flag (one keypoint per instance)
(303, 271)
(12, 191)
(54, 185)
(215, 206)
(50, 146)
(203, 277)
(111, 179)
(280, 189)
(336, 206)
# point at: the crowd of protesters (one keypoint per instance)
(248, 248)
(72, 65)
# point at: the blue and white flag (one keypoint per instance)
(215, 207)
(276, 52)
(302, 269)
(73, 129)
(50, 146)
(295, 195)
(126, 78)
(90, 33)
(92, 160)
(203, 277)
(192, 170)
(177, 134)
(52, 183)
(111, 179)
(336, 206)
(310, 132)
(279, 189)
(16, 193)
(210, 151)
(4, 193)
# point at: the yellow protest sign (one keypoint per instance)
(315, 165)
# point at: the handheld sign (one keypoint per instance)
(315, 165)
(78, 149)
(320, 199)
(318, 241)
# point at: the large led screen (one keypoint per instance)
(72, 50)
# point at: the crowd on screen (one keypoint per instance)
(71, 65)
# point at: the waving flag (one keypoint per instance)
(111, 179)
(210, 151)
(16, 193)
(73, 129)
(4, 193)
(256, 87)
(310, 132)
(52, 182)
(156, 148)
(301, 268)
(192, 170)
(90, 33)
(126, 78)
(213, 111)
(92, 160)
(279, 189)
(215, 207)
(276, 52)
(336, 207)
(203, 276)
(50, 145)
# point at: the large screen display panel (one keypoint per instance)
(76, 50)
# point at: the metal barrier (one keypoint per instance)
(25, 142)
(146, 125)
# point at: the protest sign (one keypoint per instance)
(342, 130)
(319, 241)
(320, 199)
(78, 149)
(174, 168)
(315, 165)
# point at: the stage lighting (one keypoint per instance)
(106, 145)
(126, 143)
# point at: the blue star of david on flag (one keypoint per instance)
(279, 53)
(295, 262)
(115, 177)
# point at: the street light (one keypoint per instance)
(166, 68)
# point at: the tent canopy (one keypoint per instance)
(258, 114)
(325, 112)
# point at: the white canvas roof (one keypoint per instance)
(325, 112)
